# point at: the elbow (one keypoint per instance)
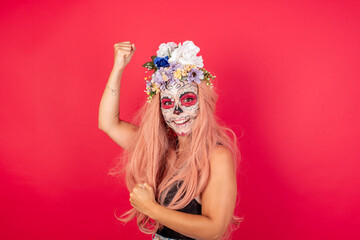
(215, 236)
(101, 127)
(214, 231)
(217, 233)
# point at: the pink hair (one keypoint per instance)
(155, 158)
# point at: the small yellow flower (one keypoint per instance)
(165, 77)
(155, 87)
(184, 72)
(177, 74)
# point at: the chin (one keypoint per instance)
(183, 134)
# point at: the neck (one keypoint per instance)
(183, 141)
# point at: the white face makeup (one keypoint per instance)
(180, 107)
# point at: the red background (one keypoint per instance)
(288, 78)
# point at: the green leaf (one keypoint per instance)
(150, 65)
(169, 53)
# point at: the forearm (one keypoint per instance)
(195, 226)
(110, 101)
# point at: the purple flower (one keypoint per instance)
(195, 75)
(174, 66)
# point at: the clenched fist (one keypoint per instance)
(123, 53)
(142, 198)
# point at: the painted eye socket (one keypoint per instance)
(167, 103)
(188, 99)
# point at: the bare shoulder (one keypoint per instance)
(219, 195)
(221, 156)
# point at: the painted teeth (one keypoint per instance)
(180, 122)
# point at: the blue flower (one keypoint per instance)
(161, 62)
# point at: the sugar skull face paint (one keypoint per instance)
(180, 107)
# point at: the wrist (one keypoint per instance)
(154, 210)
(117, 69)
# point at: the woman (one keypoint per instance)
(180, 162)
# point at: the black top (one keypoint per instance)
(193, 207)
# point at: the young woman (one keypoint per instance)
(180, 162)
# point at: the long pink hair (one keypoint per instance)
(155, 158)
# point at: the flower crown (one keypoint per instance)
(174, 63)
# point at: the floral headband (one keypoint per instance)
(174, 63)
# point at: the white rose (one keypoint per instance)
(186, 54)
(164, 49)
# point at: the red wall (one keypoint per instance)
(288, 78)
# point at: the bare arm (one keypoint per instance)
(120, 131)
(218, 202)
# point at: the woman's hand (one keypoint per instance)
(123, 53)
(142, 198)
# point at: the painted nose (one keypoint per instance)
(177, 110)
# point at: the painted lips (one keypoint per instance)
(181, 122)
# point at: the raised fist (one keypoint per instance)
(123, 53)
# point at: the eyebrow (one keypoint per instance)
(169, 97)
(186, 93)
(166, 96)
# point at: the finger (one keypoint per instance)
(147, 186)
(123, 48)
(119, 50)
(122, 44)
(124, 52)
(132, 49)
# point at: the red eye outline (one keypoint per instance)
(191, 96)
(166, 103)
